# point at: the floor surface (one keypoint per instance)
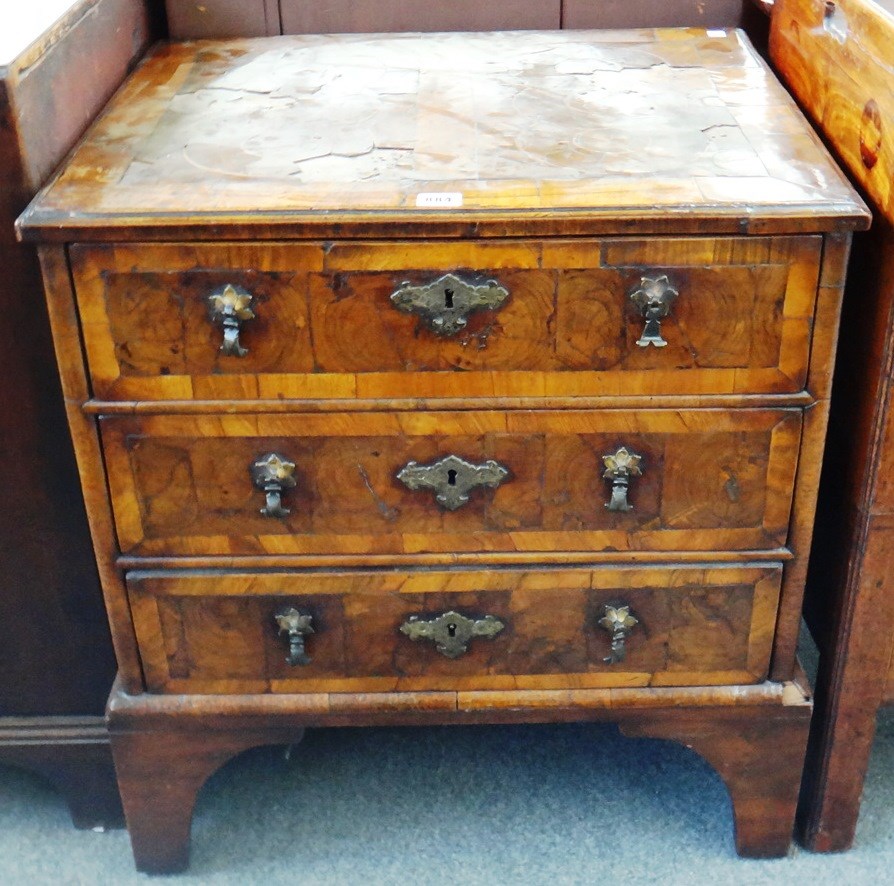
(555, 804)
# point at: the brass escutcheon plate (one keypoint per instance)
(445, 304)
(451, 631)
(452, 478)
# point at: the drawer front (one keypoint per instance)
(380, 483)
(357, 321)
(537, 629)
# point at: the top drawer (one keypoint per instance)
(358, 320)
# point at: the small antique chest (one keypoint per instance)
(453, 378)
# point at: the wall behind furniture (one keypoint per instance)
(252, 18)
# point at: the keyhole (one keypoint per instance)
(451, 629)
(451, 478)
(448, 298)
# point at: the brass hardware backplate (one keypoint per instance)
(272, 474)
(452, 478)
(620, 467)
(451, 632)
(618, 621)
(296, 625)
(653, 297)
(445, 304)
(230, 306)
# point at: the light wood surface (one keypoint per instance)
(661, 129)
(836, 58)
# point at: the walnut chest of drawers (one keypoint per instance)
(449, 379)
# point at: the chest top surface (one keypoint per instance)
(598, 127)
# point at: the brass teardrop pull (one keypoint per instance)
(620, 467)
(653, 297)
(296, 625)
(619, 622)
(230, 307)
(273, 474)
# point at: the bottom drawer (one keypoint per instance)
(373, 631)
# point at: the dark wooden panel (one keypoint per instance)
(348, 16)
(56, 656)
(64, 78)
(190, 19)
(851, 684)
(847, 604)
(72, 753)
(197, 19)
(650, 14)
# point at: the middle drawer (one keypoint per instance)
(412, 483)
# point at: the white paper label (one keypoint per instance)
(439, 200)
(716, 33)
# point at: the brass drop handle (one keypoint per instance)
(452, 478)
(445, 304)
(620, 467)
(619, 622)
(451, 632)
(229, 307)
(653, 297)
(296, 625)
(273, 474)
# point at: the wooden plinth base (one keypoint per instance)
(165, 747)
(73, 754)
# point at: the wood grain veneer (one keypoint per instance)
(712, 480)
(324, 326)
(215, 167)
(697, 626)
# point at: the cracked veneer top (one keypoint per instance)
(652, 123)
